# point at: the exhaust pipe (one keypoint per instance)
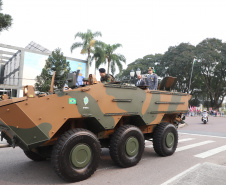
(4, 145)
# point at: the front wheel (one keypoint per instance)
(165, 139)
(76, 155)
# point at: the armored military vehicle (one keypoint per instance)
(71, 126)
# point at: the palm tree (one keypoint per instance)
(87, 43)
(98, 54)
(113, 59)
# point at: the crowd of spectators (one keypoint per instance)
(194, 111)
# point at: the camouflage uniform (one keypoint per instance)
(107, 78)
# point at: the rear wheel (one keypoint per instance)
(76, 155)
(165, 139)
(127, 146)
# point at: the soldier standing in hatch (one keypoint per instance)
(105, 77)
(152, 79)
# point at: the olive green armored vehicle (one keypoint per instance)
(71, 126)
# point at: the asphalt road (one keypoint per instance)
(201, 148)
(216, 126)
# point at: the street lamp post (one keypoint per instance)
(191, 74)
(138, 71)
(132, 73)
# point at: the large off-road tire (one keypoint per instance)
(127, 146)
(34, 156)
(205, 122)
(76, 155)
(165, 139)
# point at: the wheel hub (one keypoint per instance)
(80, 155)
(132, 146)
(170, 140)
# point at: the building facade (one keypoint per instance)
(20, 66)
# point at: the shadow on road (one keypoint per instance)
(16, 168)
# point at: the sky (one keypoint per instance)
(142, 26)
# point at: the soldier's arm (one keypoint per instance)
(156, 81)
(144, 82)
(108, 78)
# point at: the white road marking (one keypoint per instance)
(183, 140)
(211, 152)
(203, 135)
(179, 141)
(180, 174)
(193, 145)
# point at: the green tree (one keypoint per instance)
(211, 63)
(55, 62)
(5, 20)
(112, 58)
(98, 54)
(43, 81)
(143, 64)
(177, 62)
(87, 43)
(194, 102)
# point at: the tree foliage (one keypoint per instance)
(98, 54)
(105, 53)
(177, 62)
(208, 82)
(55, 62)
(142, 64)
(87, 43)
(211, 64)
(194, 102)
(113, 59)
(5, 20)
(43, 81)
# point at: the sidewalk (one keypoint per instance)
(204, 174)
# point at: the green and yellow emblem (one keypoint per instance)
(86, 100)
(72, 101)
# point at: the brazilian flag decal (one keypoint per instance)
(72, 101)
